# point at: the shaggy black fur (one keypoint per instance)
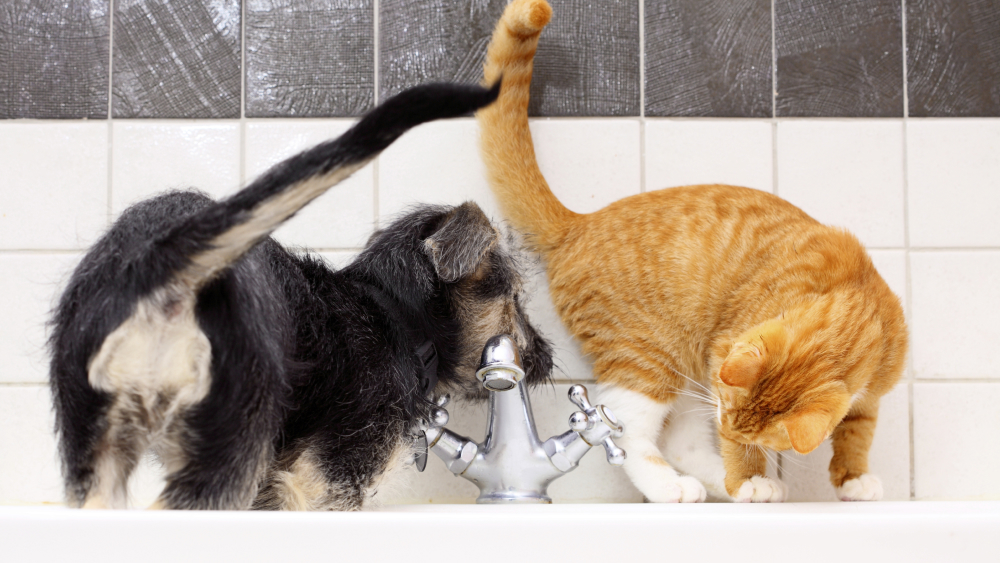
(303, 358)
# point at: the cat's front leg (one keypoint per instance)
(745, 479)
(643, 418)
(852, 439)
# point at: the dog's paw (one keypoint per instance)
(761, 489)
(678, 489)
(865, 487)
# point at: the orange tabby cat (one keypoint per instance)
(783, 321)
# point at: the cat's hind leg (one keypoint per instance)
(643, 418)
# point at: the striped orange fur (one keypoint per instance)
(784, 319)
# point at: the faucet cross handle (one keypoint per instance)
(428, 431)
(596, 424)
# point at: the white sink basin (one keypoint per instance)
(812, 532)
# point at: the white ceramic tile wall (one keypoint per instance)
(808, 477)
(53, 184)
(29, 466)
(955, 428)
(342, 218)
(954, 182)
(956, 300)
(939, 178)
(29, 287)
(846, 173)
(150, 157)
(709, 151)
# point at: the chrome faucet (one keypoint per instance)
(512, 465)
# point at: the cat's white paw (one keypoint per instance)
(679, 489)
(865, 487)
(761, 489)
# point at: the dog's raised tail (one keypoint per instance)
(211, 240)
(524, 195)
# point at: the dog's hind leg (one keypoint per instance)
(116, 455)
(217, 451)
(212, 463)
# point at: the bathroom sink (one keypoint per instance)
(813, 532)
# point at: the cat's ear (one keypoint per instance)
(457, 248)
(807, 430)
(743, 366)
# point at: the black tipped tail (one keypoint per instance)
(410, 108)
(212, 240)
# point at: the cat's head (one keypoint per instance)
(781, 389)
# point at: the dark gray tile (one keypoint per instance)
(953, 58)
(309, 58)
(54, 59)
(176, 59)
(708, 58)
(587, 62)
(839, 58)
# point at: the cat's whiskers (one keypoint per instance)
(769, 455)
(702, 413)
(697, 394)
(692, 380)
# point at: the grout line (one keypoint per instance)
(774, 157)
(243, 60)
(908, 305)
(774, 102)
(111, 134)
(375, 50)
(952, 248)
(913, 464)
(375, 79)
(774, 66)
(906, 88)
(642, 96)
(935, 380)
(336, 249)
(243, 95)
(55, 251)
(642, 58)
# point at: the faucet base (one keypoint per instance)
(512, 466)
(514, 497)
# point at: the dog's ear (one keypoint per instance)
(457, 248)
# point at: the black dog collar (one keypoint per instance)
(428, 367)
(427, 354)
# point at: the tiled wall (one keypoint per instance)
(823, 102)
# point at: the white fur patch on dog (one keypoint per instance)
(159, 349)
(650, 473)
(761, 489)
(156, 364)
(865, 487)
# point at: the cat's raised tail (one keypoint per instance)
(525, 196)
(211, 240)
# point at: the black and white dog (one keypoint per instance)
(262, 378)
